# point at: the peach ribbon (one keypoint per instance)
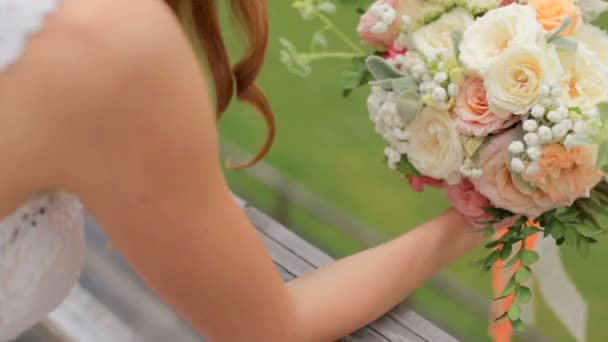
(503, 331)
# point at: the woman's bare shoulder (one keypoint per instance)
(98, 69)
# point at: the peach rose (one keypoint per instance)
(551, 13)
(565, 175)
(469, 202)
(497, 183)
(380, 25)
(473, 114)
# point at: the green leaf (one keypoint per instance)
(511, 286)
(518, 325)
(558, 230)
(565, 43)
(513, 260)
(409, 105)
(406, 168)
(500, 317)
(456, 36)
(528, 257)
(602, 160)
(528, 231)
(583, 247)
(471, 145)
(514, 312)
(491, 260)
(523, 294)
(506, 251)
(554, 34)
(381, 69)
(571, 235)
(523, 274)
(498, 213)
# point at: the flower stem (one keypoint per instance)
(331, 26)
(330, 55)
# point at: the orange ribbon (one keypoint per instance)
(502, 332)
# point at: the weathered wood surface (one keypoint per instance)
(131, 312)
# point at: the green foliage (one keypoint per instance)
(406, 168)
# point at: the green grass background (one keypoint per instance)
(328, 145)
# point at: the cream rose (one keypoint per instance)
(595, 40)
(434, 146)
(485, 40)
(435, 39)
(514, 81)
(587, 76)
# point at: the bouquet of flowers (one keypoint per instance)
(500, 103)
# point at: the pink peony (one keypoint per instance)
(418, 183)
(499, 186)
(473, 114)
(371, 28)
(469, 202)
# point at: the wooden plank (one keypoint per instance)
(98, 325)
(278, 240)
(269, 226)
(424, 328)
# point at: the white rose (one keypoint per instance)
(434, 146)
(485, 41)
(513, 83)
(595, 40)
(587, 83)
(435, 39)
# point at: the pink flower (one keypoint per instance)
(418, 183)
(378, 27)
(506, 2)
(469, 202)
(473, 114)
(500, 187)
(393, 52)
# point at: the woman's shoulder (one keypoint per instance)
(92, 63)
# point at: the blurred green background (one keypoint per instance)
(327, 144)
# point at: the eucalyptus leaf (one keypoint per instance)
(514, 312)
(565, 43)
(381, 69)
(518, 325)
(553, 34)
(409, 106)
(523, 294)
(404, 84)
(456, 36)
(528, 257)
(523, 274)
(511, 285)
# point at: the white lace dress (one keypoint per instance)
(42, 243)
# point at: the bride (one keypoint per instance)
(103, 103)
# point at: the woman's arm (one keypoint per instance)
(133, 134)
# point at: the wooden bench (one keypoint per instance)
(112, 304)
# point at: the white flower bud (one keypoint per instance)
(377, 11)
(559, 131)
(379, 28)
(407, 20)
(554, 116)
(545, 134)
(453, 89)
(545, 90)
(538, 111)
(567, 123)
(419, 68)
(556, 91)
(517, 165)
(476, 173)
(534, 153)
(466, 170)
(533, 169)
(531, 139)
(441, 77)
(563, 112)
(389, 16)
(547, 101)
(516, 147)
(388, 109)
(439, 94)
(530, 125)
